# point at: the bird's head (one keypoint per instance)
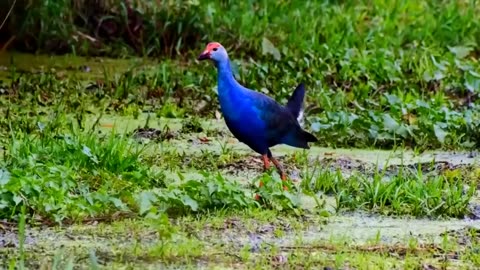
(214, 51)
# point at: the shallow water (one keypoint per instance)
(65, 65)
(380, 158)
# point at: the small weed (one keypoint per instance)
(166, 232)
(278, 194)
(170, 110)
(191, 125)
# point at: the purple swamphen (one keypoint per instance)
(254, 118)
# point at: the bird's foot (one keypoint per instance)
(257, 196)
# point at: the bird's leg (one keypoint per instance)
(266, 165)
(280, 170)
(266, 162)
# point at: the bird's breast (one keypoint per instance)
(245, 123)
(232, 104)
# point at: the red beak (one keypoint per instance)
(204, 55)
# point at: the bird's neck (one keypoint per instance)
(230, 92)
(226, 80)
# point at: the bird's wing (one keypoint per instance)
(278, 119)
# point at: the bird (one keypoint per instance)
(254, 118)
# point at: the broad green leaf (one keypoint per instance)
(86, 150)
(440, 133)
(187, 200)
(393, 99)
(473, 85)
(318, 126)
(422, 103)
(4, 176)
(403, 131)
(145, 200)
(41, 126)
(442, 65)
(389, 123)
(211, 188)
(472, 81)
(4, 204)
(439, 75)
(17, 199)
(118, 203)
(269, 48)
(463, 66)
(474, 74)
(460, 51)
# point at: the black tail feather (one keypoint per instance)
(295, 102)
(300, 138)
(309, 137)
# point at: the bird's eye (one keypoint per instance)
(215, 49)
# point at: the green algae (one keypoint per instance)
(66, 65)
(136, 243)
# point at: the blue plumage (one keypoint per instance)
(254, 118)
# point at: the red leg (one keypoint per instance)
(266, 162)
(266, 166)
(279, 166)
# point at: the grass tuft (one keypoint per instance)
(406, 193)
(72, 175)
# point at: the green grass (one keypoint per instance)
(405, 193)
(377, 73)
(72, 175)
(299, 26)
(400, 75)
